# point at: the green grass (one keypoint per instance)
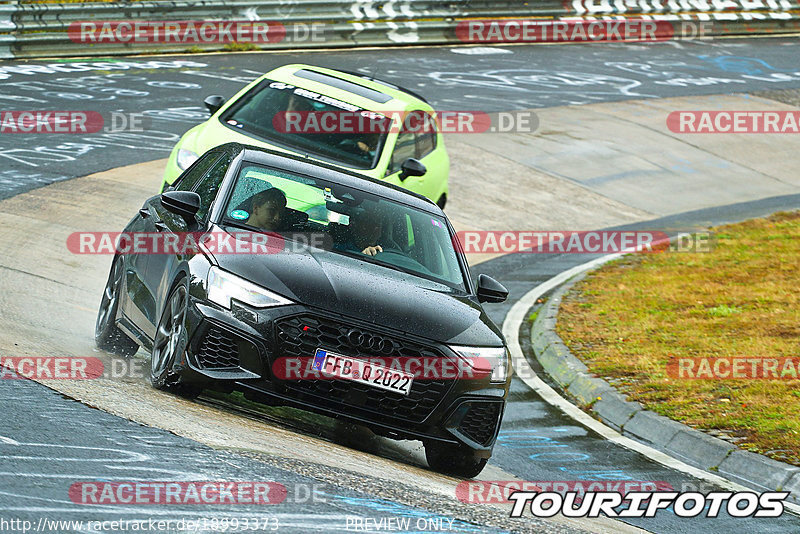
(627, 320)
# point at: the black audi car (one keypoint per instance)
(303, 285)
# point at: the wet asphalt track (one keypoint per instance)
(536, 442)
(59, 442)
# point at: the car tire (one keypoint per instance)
(107, 336)
(170, 342)
(456, 460)
(442, 201)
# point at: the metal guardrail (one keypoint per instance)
(42, 30)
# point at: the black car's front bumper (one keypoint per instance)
(240, 347)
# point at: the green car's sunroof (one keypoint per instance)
(344, 85)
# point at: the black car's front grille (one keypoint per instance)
(480, 422)
(301, 336)
(218, 350)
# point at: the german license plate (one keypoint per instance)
(378, 376)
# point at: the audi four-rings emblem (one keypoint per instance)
(363, 340)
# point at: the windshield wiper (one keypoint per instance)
(243, 226)
(256, 230)
(372, 260)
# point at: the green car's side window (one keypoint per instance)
(412, 145)
(404, 148)
(426, 143)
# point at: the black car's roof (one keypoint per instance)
(290, 162)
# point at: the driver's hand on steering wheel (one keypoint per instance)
(371, 251)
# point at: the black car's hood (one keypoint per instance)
(368, 292)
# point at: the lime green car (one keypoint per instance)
(408, 153)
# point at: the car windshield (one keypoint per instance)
(349, 222)
(262, 113)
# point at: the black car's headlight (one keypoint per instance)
(224, 287)
(496, 356)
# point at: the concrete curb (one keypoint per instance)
(691, 446)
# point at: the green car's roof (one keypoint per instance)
(358, 89)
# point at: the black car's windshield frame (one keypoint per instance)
(225, 195)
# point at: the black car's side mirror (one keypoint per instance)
(213, 103)
(185, 204)
(490, 290)
(412, 167)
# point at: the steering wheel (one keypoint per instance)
(353, 144)
(405, 260)
(348, 142)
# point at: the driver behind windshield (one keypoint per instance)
(368, 145)
(267, 209)
(364, 233)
